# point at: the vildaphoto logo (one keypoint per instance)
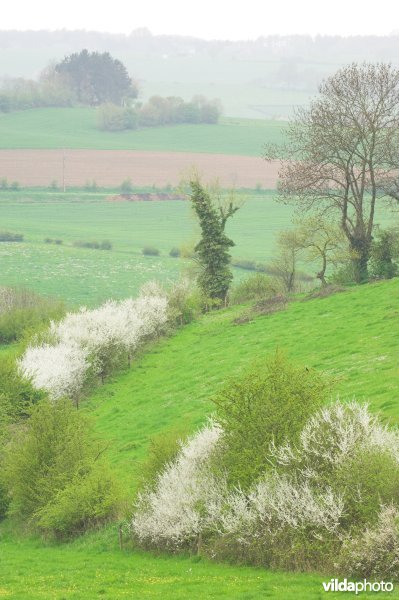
(335, 585)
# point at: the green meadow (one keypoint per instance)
(88, 276)
(52, 128)
(353, 336)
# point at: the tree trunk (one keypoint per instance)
(322, 274)
(361, 250)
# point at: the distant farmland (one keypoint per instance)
(108, 168)
(52, 128)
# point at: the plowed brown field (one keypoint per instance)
(111, 167)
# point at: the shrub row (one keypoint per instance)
(8, 236)
(158, 111)
(281, 479)
(104, 245)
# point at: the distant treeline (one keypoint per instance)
(158, 111)
(21, 94)
(302, 48)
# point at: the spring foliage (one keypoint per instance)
(308, 499)
(268, 404)
(55, 473)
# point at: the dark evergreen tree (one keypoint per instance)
(96, 78)
(213, 249)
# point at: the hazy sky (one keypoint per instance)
(236, 19)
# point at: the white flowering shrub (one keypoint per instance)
(93, 339)
(187, 498)
(374, 554)
(58, 369)
(332, 436)
(276, 502)
(312, 502)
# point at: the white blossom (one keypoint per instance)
(333, 434)
(58, 369)
(93, 337)
(187, 497)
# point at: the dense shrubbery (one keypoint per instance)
(158, 111)
(116, 118)
(385, 253)
(268, 405)
(185, 302)
(255, 288)
(104, 245)
(55, 475)
(150, 251)
(21, 94)
(7, 236)
(57, 241)
(302, 488)
(17, 396)
(23, 311)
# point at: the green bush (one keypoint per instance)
(150, 251)
(23, 312)
(55, 474)
(17, 395)
(269, 403)
(385, 254)
(255, 288)
(94, 245)
(126, 186)
(116, 118)
(7, 236)
(370, 478)
(85, 502)
(175, 252)
(185, 302)
(105, 245)
(48, 240)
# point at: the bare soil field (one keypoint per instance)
(111, 167)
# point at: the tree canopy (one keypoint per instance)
(97, 78)
(342, 153)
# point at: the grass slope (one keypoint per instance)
(76, 128)
(352, 335)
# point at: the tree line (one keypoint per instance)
(158, 111)
(97, 79)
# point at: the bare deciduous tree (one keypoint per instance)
(343, 153)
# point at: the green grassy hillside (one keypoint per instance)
(76, 128)
(352, 335)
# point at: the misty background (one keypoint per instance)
(261, 78)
